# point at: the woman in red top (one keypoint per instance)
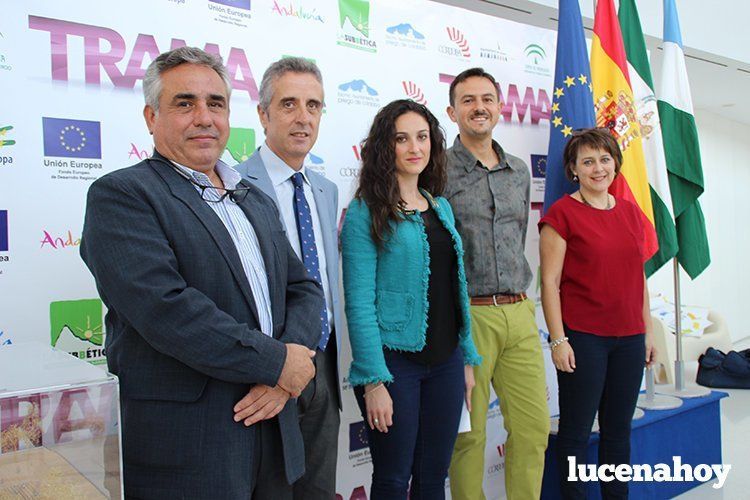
(595, 303)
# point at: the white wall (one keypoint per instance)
(721, 30)
(725, 150)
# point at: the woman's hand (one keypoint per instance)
(650, 350)
(563, 358)
(379, 407)
(470, 383)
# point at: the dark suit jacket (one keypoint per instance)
(182, 330)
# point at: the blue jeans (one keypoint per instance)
(607, 378)
(426, 411)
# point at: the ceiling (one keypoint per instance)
(718, 84)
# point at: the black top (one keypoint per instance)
(443, 316)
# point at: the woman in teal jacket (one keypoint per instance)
(406, 304)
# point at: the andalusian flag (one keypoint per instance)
(615, 109)
(651, 138)
(681, 149)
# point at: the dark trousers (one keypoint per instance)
(269, 474)
(607, 378)
(318, 407)
(426, 411)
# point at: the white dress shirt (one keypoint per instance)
(281, 179)
(244, 238)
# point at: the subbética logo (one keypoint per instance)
(645, 472)
(354, 25)
(241, 143)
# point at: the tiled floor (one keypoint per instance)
(735, 437)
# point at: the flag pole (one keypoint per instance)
(680, 388)
(652, 401)
(679, 365)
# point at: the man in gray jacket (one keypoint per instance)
(290, 109)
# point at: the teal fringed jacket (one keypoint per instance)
(386, 289)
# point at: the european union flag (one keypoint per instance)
(3, 230)
(238, 4)
(358, 436)
(573, 103)
(72, 138)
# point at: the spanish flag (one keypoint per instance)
(616, 110)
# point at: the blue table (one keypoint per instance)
(692, 432)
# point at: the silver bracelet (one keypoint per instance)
(554, 343)
(377, 386)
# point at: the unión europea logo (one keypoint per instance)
(538, 166)
(69, 138)
(357, 436)
(237, 4)
(3, 230)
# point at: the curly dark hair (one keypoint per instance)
(378, 186)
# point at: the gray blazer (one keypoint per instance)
(326, 195)
(183, 334)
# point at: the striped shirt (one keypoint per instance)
(242, 234)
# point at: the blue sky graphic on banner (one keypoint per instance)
(358, 86)
(238, 4)
(72, 138)
(406, 29)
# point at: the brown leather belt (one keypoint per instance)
(497, 299)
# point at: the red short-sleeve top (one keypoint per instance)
(601, 287)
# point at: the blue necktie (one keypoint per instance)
(308, 248)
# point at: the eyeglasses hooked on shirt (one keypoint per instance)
(208, 191)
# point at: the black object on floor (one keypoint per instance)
(728, 371)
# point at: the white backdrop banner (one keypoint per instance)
(70, 81)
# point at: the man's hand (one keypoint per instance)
(261, 403)
(298, 369)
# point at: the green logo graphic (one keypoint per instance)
(358, 13)
(241, 143)
(82, 317)
(6, 142)
(536, 52)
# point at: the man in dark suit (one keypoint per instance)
(290, 108)
(206, 300)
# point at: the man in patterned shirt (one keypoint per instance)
(489, 192)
